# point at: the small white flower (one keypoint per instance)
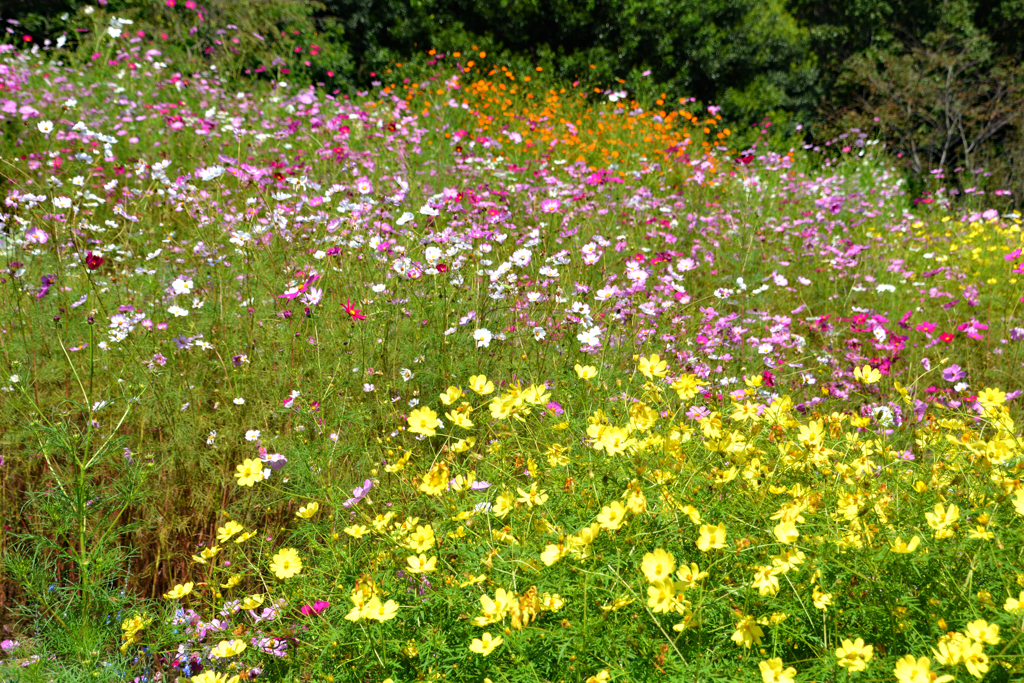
(405, 218)
(45, 126)
(62, 202)
(483, 337)
(182, 285)
(239, 401)
(406, 374)
(15, 379)
(211, 438)
(428, 210)
(539, 333)
(178, 311)
(252, 435)
(368, 387)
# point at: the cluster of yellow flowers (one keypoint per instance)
(667, 595)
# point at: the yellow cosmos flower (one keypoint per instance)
(252, 601)
(423, 421)
(436, 480)
(942, 519)
(206, 554)
(213, 677)
(532, 497)
(249, 472)
(225, 532)
(286, 563)
(585, 372)
(747, 632)
(821, 600)
(228, 648)
(905, 548)
(658, 565)
(910, 670)
(420, 564)
(766, 580)
(421, 540)
(983, 632)
(179, 591)
(242, 538)
(691, 512)
(687, 386)
(612, 516)
(307, 511)
(990, 397)
(786, 532)
(378, 611)
(854, 655)
(481, 385)
(356, 530)
(233, 581)
(552, 553)
(451, 395)
(689, 576)
(653, 366)
(485, 644)
(711, 537)
(772, 671)
(866, 374)
(1014, 604)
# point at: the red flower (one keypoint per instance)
(92, 261)
(351, 309)
(946, 337)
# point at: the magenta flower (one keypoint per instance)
(316, 608)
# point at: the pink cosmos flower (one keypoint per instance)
(301, 289)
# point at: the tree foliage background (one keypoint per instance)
(939, 80)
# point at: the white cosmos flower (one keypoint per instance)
(482, 336)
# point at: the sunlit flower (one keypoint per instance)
(867, 374)
(420, 564)
(585, 371)
(612, 516)
(904, 548)
(786, 532)
(653, 366)
(747, 632)
(229, 529)
(772, 671)
(911, 670)
(179, 591)
(249, 472)
(711, 537)
(854, 655)
(658, 565)
(485, 644)
(481, 385)
(286, 563)
(423, 421)
(307, 511)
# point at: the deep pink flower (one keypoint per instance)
(316, 608)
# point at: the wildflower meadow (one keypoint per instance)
(482, 375)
